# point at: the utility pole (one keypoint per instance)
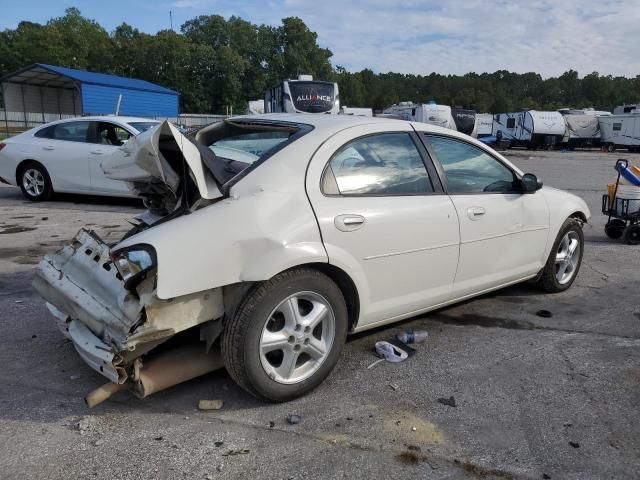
(171, 19)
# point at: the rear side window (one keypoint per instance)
(469, 169)
(46, 132)
(383, 164)
(71, 131)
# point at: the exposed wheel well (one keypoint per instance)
(346, 286)
(23, 164)
(579, 216)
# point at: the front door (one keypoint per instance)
(385, 219)
(106, 138)
(503, 232)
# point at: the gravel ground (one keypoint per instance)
(534, 397)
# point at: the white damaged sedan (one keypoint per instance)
(269, 238)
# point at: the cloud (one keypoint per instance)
(423, 36)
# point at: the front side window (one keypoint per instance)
(71, 131)
(383, 164)
(468, 169)
(111, 134)
(46, 132)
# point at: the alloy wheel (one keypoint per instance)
(567, 257)
(33, 182)
(297, 337)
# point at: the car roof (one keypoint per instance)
(112, 118)
(328, 124)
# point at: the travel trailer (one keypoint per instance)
(432, 113)
(255, 107)
(358, 112)
(464, 119)
(483, 125)
(530, 128)
(582, 129)
(304, 95)
(620, 131)
(631, 108)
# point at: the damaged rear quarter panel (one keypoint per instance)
(265, 226)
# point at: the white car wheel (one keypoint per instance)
(34, 182)
(286, 335)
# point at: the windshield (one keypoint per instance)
(312, 97)
(143, 126)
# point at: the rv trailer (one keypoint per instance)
(630, 108)
(432, 113)
(304, 95)
(530, 128)
(483, 125)
(582, 129)
(620, 131)
(464, 119)
(356, 111)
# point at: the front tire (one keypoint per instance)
(565, 258)
(34, 181)
(286, 336)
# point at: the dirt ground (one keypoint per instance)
(534, 397)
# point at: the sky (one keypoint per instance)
(411, 36)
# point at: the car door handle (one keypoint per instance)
(475, 213)
(97, 152)
(48, 147)
(349, 222)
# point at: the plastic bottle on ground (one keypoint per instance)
(413, 336)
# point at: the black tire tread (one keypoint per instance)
(49, 187)
(547, 281)
(235, 328)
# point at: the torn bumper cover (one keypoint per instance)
(110, 326)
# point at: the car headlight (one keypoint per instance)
(134, 263)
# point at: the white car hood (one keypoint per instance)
(141, 162)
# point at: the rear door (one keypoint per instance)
(503, 232)
(385, 219)
(63, 149)
(106, 138)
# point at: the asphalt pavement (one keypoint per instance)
(533, 397)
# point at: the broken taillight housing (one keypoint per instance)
(134, 263)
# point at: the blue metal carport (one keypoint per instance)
(49, 89)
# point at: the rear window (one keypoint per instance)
(248, 147)
(143, 126)
(232, 148)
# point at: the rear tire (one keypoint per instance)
(275, 346)
(564, 261)
(632, 234)
(34, 181)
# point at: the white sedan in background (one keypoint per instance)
(65, 156)
(277, 235)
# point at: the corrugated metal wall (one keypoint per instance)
(101, 100)
(54, 100)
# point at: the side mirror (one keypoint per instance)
(530, 183)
